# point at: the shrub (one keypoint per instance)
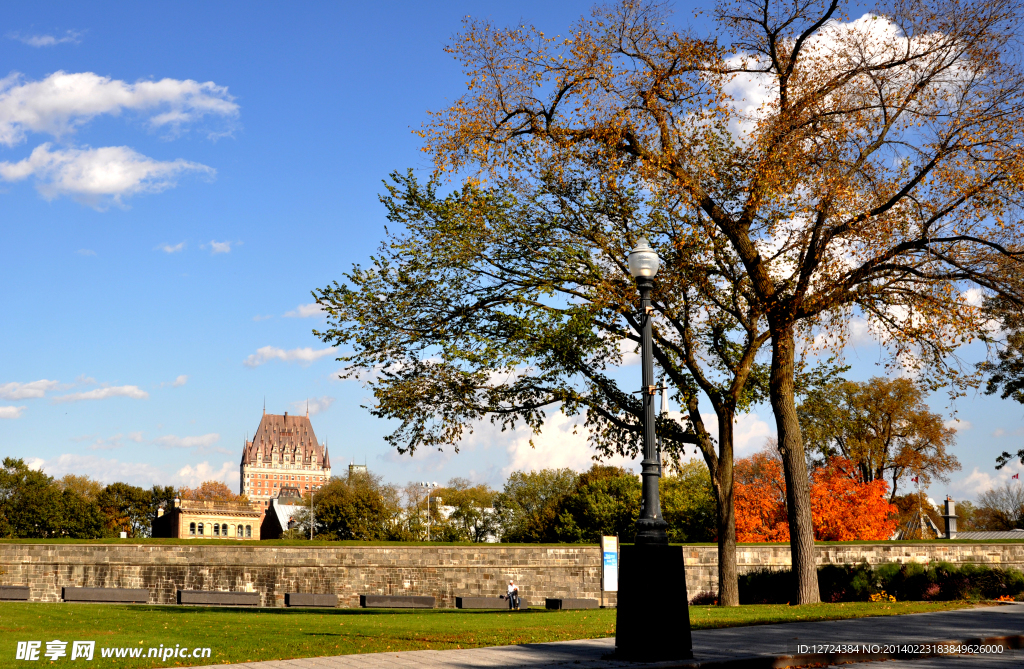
(705, 598)
(766, 586)
(940, 581)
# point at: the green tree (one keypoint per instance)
(604, 501)
(500, 304)
(30, 503)
(883, 426)
(688, 504)
(470, 515)
(80, 516)
(529, 504)
(127, 508)
(358, 506)
(82, 485)
(162, 496)
(1005, 366)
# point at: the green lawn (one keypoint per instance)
(235, 635)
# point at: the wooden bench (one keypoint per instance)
(215, 598)
(395, 602)
(480, 603)
(565, 603)
(309, 599)
(14, 593)
(106, 595)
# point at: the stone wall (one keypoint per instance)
(702, 561)
(445, 572)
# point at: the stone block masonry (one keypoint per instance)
(443, 572)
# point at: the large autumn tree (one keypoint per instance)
(883, 426)
(843, 506)
(506, 302)
(870, 166)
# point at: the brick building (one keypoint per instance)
(284, 453)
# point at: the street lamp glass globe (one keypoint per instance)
(643, 260)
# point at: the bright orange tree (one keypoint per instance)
(843, 507)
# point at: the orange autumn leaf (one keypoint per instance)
(843, 507)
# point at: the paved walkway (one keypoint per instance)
(733, 647)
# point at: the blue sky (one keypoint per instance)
(176, 178)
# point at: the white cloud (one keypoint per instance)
(748, 434)
(181, 380)
(193, 476)
(11, 412)
(977, 482)
(85, 252)
(630, 352)
(219, 247)
(133, 392)
(199, 443)
(69, 37)
(560, 444)
(97, 177)
(107, 470)
(305, 311)
(957, 424)
(30, 390)
(63, 101)
(998, 432)
(302, 355)
(315, 405)
(115, 441)
(167, 248)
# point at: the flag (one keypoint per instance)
(1015, 476)
(914, 479)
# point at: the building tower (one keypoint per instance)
(284, 453)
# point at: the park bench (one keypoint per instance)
(480, 603)
(106, 595)
(309, 599)
(564, 603)
(215, 598)
(395, 602)
(14, 593)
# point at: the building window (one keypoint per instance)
(239, 535)
(248, 531)
(224, 530)
(192, 529)
(200, 529)
(216, 530)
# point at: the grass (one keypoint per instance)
(236, 635)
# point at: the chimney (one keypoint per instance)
(177, 502)
(950, 518)
(160, 512)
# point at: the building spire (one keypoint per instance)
(264, 405)
(307, 407)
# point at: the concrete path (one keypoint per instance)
(754, 646)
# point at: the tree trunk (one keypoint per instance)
(798, 488)
(728, 580)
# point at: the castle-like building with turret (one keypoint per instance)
(284, 453)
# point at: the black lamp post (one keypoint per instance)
(652, 619)
(650, 527)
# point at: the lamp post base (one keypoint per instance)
(652, 618)
(651, 532)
